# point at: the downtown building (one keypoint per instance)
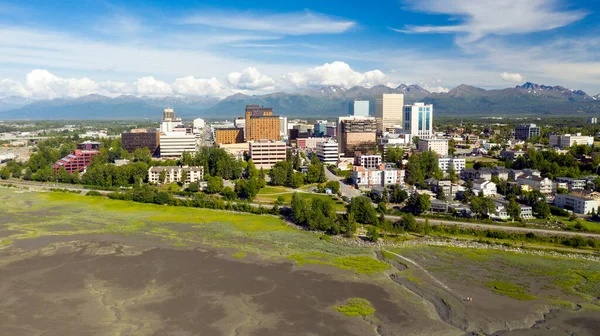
(526, 131)
(141, 138)
(388, 111)
(360, 108)
(440, 146)
(230, 135)
(174, 144)
(265, 154)
(418, 120)
(261, 124)
(356, 134)
(569, 140)
(327, 151)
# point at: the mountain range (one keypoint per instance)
(329, 101)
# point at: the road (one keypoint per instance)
(433, 222)
(345, 189)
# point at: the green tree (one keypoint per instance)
(315, 173)
(28, 176)
(514, 209)
(363, 211)
(542, 209)
(439, 194)
(297, 180)
(228, 194)
(372, 234)
(300, 209)
(334, 186)
(193, 187)
(214, 185)
(452, 174)
(4, 173)
(417, 204)
(252, 172)
(162, 177)
(184, 176)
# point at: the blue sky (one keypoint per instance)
(54, 49)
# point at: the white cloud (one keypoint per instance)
(9, 87)
(303, 23)
(198, 86)
(335, 73)
(250, 79)
(486, 17)
(512, 77)
(150, 86)
(43, 84)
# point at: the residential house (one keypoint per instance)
(543, 185)
(485, 188)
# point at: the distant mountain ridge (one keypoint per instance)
(328, 101)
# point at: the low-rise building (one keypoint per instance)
(484, 187)
(569, 140)
(77, 161)
(265, 154)
(174, 144)
(368, 161)
(440, 146)
(90, 145)
(512, 155)
(500, 172)
(174, 174)
(327, 151)
(445, 162)
(368, 178)
(541, 184)
(573, 184)
(309, 143)
(576, 203)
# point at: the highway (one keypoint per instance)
(433, 222)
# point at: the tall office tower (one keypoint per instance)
(356, 134)
(174, 144)
(169, 122)
(388, 112)
(418, 120)
(361, 108)
(261, 124)
(320, 128)
(526, 131)
(169, 114)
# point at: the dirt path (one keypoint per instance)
(422, 270)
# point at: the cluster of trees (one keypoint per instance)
(284, 173)
(422, 166)
(216, 162)
(394, 155)
(418, 203)
(12, 168)
(101, 174)
(550, 164)
(319, 214)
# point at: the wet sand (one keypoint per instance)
(109, 288)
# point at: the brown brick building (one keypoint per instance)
(261, 124)
(356, 134)
(141, 138)
(226, 136)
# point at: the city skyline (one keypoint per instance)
(221, 48)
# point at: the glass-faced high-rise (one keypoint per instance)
(418, 119)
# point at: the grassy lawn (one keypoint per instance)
(35, 215)
(270, 194)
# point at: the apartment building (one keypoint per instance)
(573, 184)
(368, 161)
(265, 154)
(440, 146)
(327, 152)
(484, 187)
(541, 184)
(445, 162)
(382, 176)
(576, 203)
(174, 174)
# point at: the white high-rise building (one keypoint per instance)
(389, 108)
(361, 108)
(327, 152)
(169, 121)
(283, 127)
(418, 120)
(173, 144)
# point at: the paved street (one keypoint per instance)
(345, 189)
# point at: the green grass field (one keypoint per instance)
(270, 194)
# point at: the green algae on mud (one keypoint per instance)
(356, 307)
(177, 226)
